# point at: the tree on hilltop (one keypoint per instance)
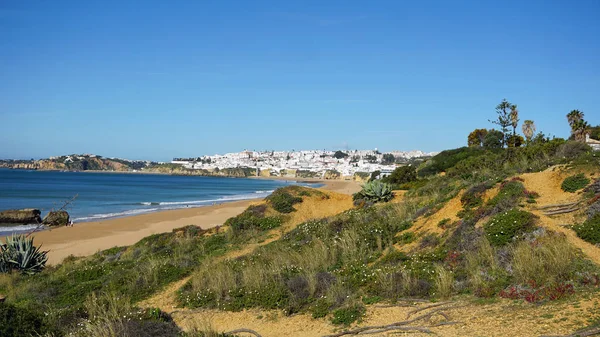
(528, 129)
(504, 120)
(514, 118)
(340, 155)
(388, 159)
(579, 126)
(493, 139)
(476, 137)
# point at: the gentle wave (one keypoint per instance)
(17, 229)
(116, 214)
(263, 192)
(169, 205)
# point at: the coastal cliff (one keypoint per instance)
(75, 163)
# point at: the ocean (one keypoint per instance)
(110, 195)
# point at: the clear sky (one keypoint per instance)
(162, 79)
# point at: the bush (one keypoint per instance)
(401, 175)
(504, 227)
(18, 321)
(575, 183)
(447, 159)
(283, 202)
(572, 149)
(473, 197)
(508, 197)
(589, 230)
(249, 220)
(348, 315)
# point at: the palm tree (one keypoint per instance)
(574, 116)
(579, 130)
(578, 125)
(528, 128)
(514, 118)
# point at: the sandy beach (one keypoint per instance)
(87, 238)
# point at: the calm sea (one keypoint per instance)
(109, 195)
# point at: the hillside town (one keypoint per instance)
(314, 163)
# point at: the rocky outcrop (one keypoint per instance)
(20, 216)
(331, 175)
(57, 218)
(361, 177)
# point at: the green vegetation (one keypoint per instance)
(18, 321)
(348, 315)
(284, 199)
(509, 225)
(340, 155)
(253, 218)
(374, 191)
(401, 175)
(590, 229)
(137, 271)
(575, 183)
(19, 253)
(332, 267)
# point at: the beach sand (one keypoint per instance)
(87, 238)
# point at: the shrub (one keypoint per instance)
(575, 183)
(282, 201)
(504, 227)
(405, 238)
(473, 197)
(444, 223)
(508, 197)
(19, 253)
(589, 230)
(375, 191)
(248, 220)
(429, 240)
(348, 315)
(17, 321)
(401, 175)
(447, 159)
(572, 149)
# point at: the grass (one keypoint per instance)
(137, 271)
(328, 267)
(546, 260)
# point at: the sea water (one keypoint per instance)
(109, 195)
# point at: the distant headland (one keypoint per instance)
(320, 164)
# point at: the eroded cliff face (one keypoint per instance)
(85, 164)
(332, 175)
(238, 172)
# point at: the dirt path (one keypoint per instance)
(548, 185)
(498, 318)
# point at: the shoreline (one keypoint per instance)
(86, 238)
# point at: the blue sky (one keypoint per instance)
(162, 79)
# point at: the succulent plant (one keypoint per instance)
(375, 191)
(19, 253)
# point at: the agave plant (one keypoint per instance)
(19, 253)
(375, 191)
